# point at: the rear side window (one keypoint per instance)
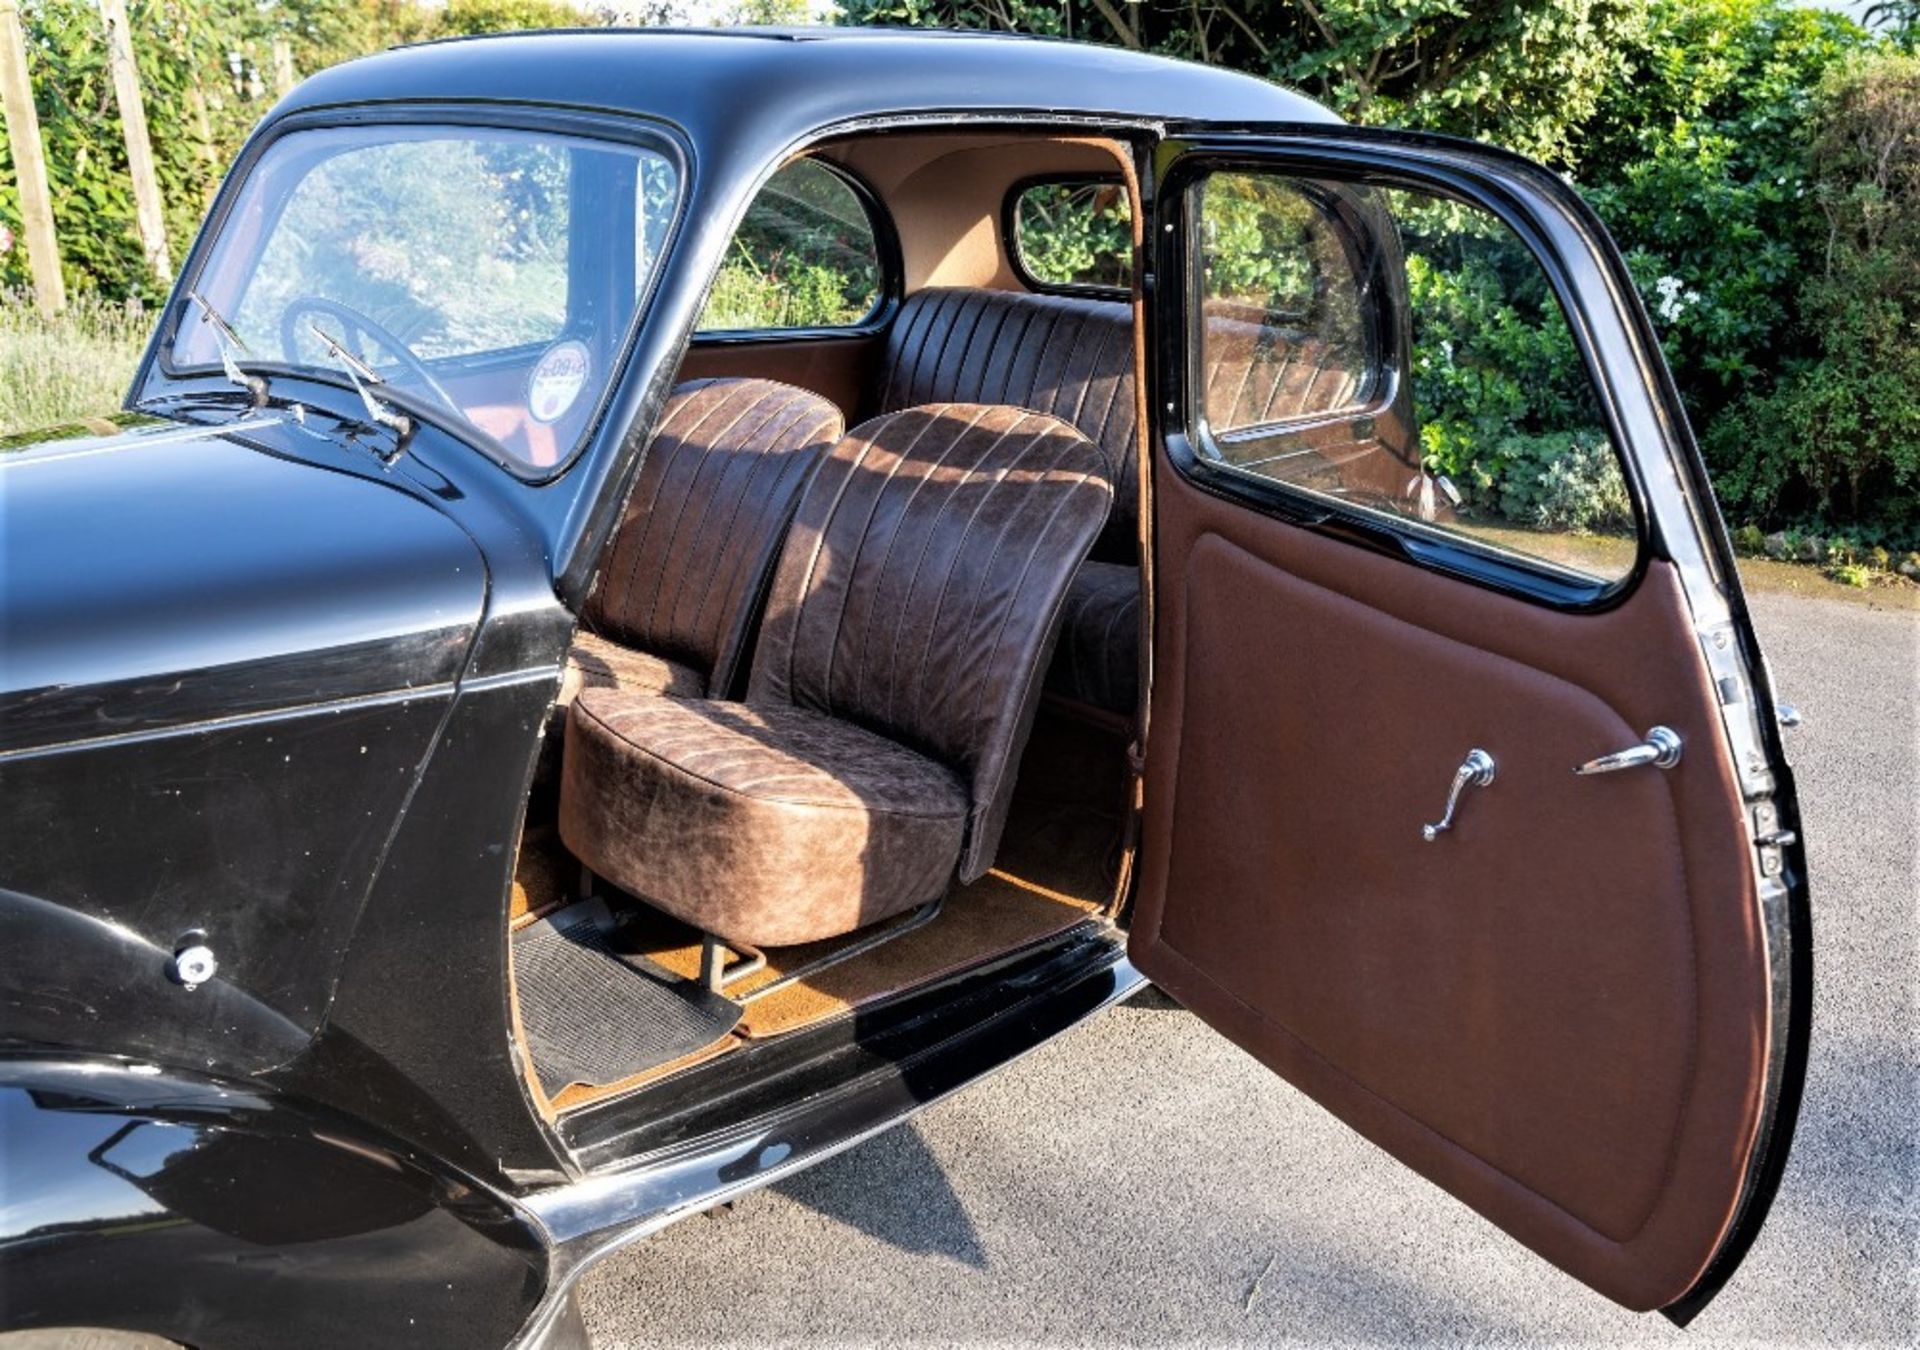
(1072, 235)
(1404, 354)
(804, 257)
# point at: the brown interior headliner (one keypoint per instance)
(945, 190)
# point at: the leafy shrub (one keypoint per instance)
(1839, 436)
(780, 293)
(1701, 164)
(206, 72)
(1528, 72)
(466, 18)
(1564, 481)
(1506, 410)
(1076, 234)
(803, 257)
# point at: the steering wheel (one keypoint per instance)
(354, 328)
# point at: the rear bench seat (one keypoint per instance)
(1073, 358)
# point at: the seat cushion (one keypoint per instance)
(1098, 660)
(769, 826)
(595, 663)
(1259, 373)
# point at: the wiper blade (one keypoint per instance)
(229, 343)
(363, 375)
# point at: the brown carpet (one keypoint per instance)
(999, 913)
(539, 876)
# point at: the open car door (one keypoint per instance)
(1466, 811)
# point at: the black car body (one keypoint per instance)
(276, 681)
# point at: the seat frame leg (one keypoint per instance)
(715, 973)
(900, 928)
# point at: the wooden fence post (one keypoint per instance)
(29, 163)
(283, 76)
(203, 138)
(133, 123)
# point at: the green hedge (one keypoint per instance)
(1754, 159)
(206, 70)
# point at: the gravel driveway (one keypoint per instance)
(1139, 1181)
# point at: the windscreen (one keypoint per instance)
(485, 277)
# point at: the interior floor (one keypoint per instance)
(594, 1009)
(1057, 867)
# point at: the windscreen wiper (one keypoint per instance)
(362, 376)
(231, 348)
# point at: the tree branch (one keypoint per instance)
(1244, 27)
(1120, 28)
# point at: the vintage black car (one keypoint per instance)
(663, 600)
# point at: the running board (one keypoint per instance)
(901, 1058)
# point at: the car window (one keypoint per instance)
(805, 256)
(443, 259)
(1472, 413)
(1073, 234)
(1283, 335)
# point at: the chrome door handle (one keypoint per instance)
(1476, 770)
(1661, 749)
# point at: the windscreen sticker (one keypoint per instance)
(557, 380)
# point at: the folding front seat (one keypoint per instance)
(1070, 356)
(688, 562)
(895, 680)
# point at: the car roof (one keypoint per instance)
(802, 80)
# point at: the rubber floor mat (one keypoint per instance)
(595, 1014)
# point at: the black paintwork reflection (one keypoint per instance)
(72, 978)
(424, 989)
(215, 1216)
(152, 579)
(265, 835)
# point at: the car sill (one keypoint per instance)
(1003, 1015)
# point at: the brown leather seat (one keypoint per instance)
(676, 593)
(893, 686)
(1098, 660)
(1065, 355)
(1257, 373)
(1073, 357)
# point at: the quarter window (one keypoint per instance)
(1405, 354)
(1074, 235)
(804, 257)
